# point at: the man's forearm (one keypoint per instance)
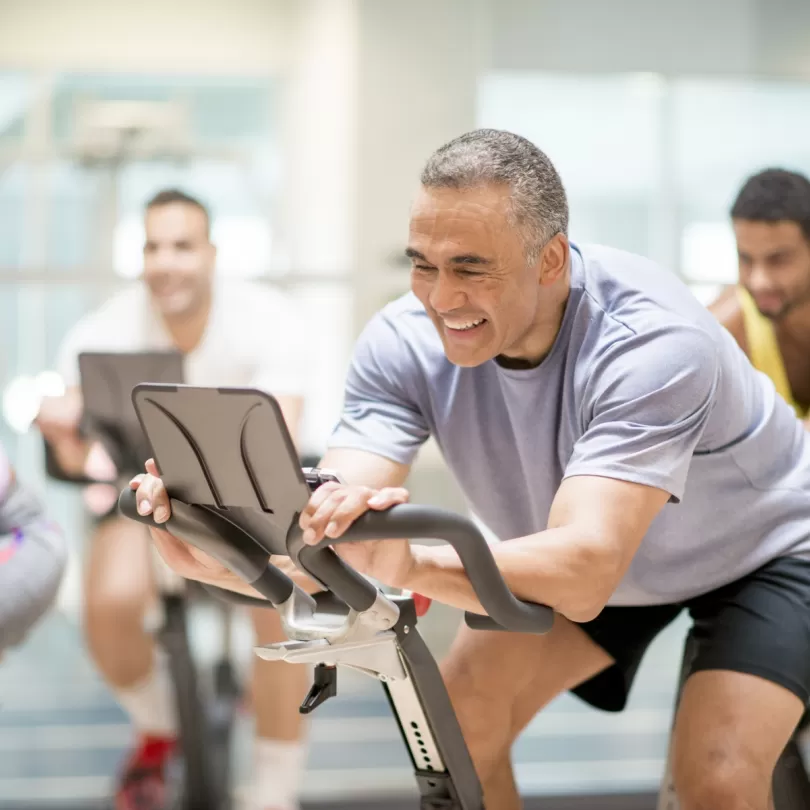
(557, 568)
(302, 580)
(70, 453)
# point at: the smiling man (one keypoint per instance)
(606, 427)
(230, 333)
(768, 312)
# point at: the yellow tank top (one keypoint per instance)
(763, 349)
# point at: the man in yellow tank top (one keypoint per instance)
(768, 312)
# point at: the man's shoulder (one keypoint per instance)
(621, 268)
(640, 293)
(115, 325)
(401, 340)
(405, 321)
(250, 297)
(114, 315)
(406, 314)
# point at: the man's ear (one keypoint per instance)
(554, 258)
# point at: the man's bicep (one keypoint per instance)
(615, 513)
(646, 408)
(363, 468)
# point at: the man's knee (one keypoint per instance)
(722, 780)
(118, 583)
(111, 603)
(113, 617)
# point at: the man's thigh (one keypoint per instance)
(498, 681)
(119, 566)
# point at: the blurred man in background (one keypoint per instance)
(768, 312)
(231, 334)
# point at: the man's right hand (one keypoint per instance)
(189, 562)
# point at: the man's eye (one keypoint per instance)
(424, 267)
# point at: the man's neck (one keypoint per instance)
(186, 331)
(545, 331)
(794, 327)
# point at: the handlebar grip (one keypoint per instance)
(475, 621)
(411, 521)
(331, 572)
(235, 598)
(216, 536)
(128, 507)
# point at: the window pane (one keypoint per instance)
(14, 182)
(601, 133)
(219, 109)
(16, 91)
(326, 311)
(724, 132)
(75, 207)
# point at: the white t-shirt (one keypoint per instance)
(248, 341)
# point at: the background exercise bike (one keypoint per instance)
(206, 699)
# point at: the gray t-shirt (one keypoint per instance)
(642, 384)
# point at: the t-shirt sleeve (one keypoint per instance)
(281, 364)
(106, 329)
(380, 410)
(647, 402)
(74, 343)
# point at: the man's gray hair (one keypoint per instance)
(489, 156)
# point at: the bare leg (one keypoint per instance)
(730, 730)
(118, 589)
(278, 690)
(278, 687)
(499, 681)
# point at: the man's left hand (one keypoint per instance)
(331, 511)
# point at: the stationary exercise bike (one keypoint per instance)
(206, 700)
(236, 491)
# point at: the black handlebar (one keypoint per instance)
(412, 521)
(215, 535)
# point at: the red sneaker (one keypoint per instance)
(142, 785)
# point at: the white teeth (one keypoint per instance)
(463, 326)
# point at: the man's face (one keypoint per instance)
(469, 270)
(774, 265)
(178, 258)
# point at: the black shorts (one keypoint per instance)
(759, 625)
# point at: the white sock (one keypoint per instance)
(150, 703)
(278, 769)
